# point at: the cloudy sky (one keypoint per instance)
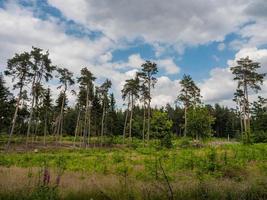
(113, 38)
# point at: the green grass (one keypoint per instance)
(244, 166)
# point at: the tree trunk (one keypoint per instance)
(144, 124)
(37, 121)
(148, 111)
(14, 118)
(247, 114)
(85, 134)
(125, 122)
(102, 123)
(31, 111)
(241, 121)
(77, 128)
(131, 118)
(89, 124)
(185, 121)
(60, 125)
(45, 128)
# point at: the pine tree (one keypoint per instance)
(6, 105)
(66, 80)
(41, 68)
(18, 68)
(247, 77)
(189, 96)
(130, 92)
(86, 84)
(103, 91)
(148, 81)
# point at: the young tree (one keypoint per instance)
(199, 122)
(66, 80)
(96, 113)
(247, 78)
(18, 68)
(41, 68)
(161, 128)
(86, 83)
(130, 91)
(189, 96)
(112, 120)
(259, 114)
(148, 81)
(103, 91)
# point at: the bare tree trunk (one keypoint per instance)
(31, 112)
(102, 124)
(35, 128)
(45, 128)
(125, 122)
(247, 114)
(144, 124)
(85, 132)
(241, 120)
(89, 124)
(148, 111)
(59, 132)
(81, 133)
(131, 118)
(14, 118)
(61, 128)
(185, 121)
(77, 128)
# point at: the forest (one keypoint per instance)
(92, 148)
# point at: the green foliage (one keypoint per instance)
(259, 136)
(161, 128)
(199, 122)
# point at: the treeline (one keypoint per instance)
(33, 111)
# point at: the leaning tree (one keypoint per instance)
(247, 76)
(189, 96)
(66, 80)
(18, 68)
(41, 69)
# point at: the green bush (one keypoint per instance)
(259, 137)
(161, 128)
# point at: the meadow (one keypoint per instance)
(211, 169)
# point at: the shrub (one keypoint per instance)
(161, 128)
(259, 136)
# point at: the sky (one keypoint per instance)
(112, 38)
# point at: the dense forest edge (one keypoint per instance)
(52, 149)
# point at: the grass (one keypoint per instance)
(215, 169)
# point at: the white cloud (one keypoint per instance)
(166, 91)
(220, 87)
(180, 23)
(169, 66)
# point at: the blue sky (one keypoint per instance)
(112, 38)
